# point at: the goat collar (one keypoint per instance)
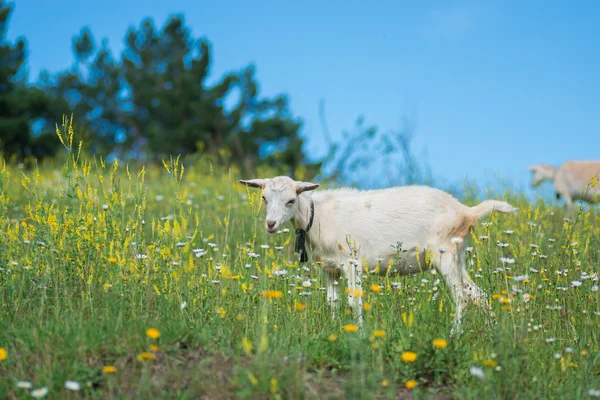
(301, 234)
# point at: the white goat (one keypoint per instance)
(571, 180)
(348, 230)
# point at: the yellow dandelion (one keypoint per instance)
(299, 306)
(153, 333)
(154, 348)
(375, 346)
(367, 306)
(440, 343)
(272, 294)
(3, 354)
(496, 296)
(239, 317)
(109, 369)
(379, 333)
(411, 384)
(351, 328)
(112, 259)
(332, 338)
(506, 308)
(409, 356)
(584, 353)
(145, 356)
(385, 383)
(490, 363)
(375, 289)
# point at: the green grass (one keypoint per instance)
(76, 298)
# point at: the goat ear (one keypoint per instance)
(257, 183)
(533, 168)
(305, 187)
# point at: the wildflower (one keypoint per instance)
(39, 393)
(183, 305)
(332, 338)
(109, 369)
(507, 260)
(145, 356)
(367, 306)
(299, 306)
(247, 346)
(72, 385)
(550, 340)
(456, 240)
(508, 231)
(105, 207)
(3, 354)
(375, 288)
(181, 244)
(153, 333)
(154, 348)
(409, 356)
(351, 328)
(575, 283)
(477, 372)
(307, 283)
(112, 259)
(411, 384)
(379, 333)
(24, 385)
(384, 383)
(594, 392)
(440, 343)
(521, 278)
(527, 297)
(490, 363)
(141, 256)
(272, 294)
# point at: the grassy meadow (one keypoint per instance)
(161, 282)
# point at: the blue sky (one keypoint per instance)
(492, 86)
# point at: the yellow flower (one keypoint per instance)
(247, 346)
(153, 333)
(332, 338)
(375, 346)
(584, 353)
(379, 333)
(411, 384)
(375, 288)
(384, 383)
(221, 311)
(409, 356)
(272, 294)
(153, 348)
(3, 354)
(299, 306)
(112, 259)
(109, 369)
(367, 306)
(145, 356)
(239, 317)
(440, 343)
(354, 292)
(490, 363)
(350, 328)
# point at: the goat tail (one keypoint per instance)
(488, 206)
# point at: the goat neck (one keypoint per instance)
(302, 216)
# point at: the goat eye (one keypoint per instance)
(265, 200)
(291, 202)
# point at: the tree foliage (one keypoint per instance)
(19, 104)
(157, 100)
